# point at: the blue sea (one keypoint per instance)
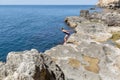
(26, 27)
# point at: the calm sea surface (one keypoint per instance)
(38, 27)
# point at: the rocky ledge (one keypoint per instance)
(92, 52)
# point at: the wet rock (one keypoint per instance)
(84, 13)
(92, 8)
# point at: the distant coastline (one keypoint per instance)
(47, 5)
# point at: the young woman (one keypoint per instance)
(67, 34)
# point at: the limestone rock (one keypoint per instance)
(73, 21)
(30, 65)
(96, 31)
(109, 18)
(88, 54)
(109, 3)
(113, 29)
(88, 61)
(118, 42)
(2, 71)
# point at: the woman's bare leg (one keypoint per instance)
(65, 38)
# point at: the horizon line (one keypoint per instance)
(42, 4)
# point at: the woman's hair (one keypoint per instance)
(62, 28)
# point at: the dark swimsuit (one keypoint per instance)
(66, 33)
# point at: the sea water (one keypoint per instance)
(25, 27)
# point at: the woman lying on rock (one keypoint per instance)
(67, 34)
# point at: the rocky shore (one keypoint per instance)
(92, 53)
